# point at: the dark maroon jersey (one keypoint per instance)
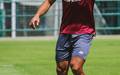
(78, 17)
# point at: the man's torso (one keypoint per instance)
(77, 17)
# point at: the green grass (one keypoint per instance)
(37, 57)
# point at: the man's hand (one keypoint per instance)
(34, 22)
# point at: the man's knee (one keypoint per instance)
(77, 64)
(62, 66)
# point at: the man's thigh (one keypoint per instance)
(63, 48)
(82, 45)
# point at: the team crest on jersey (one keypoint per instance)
(72, 0)
(81, 2)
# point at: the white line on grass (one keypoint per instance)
(9, 70)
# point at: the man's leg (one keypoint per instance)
(77, 65)
(63, 54)
(81, 45)
(62, 68)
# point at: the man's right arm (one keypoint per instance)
(41, 11)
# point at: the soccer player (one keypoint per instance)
(76, 32)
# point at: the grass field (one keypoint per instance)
(36, 57)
